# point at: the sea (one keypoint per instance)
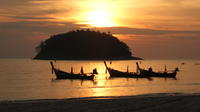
(27, 79)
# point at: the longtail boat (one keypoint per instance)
(141, 73)
(117, 73)
(65, 75)
(151, 73)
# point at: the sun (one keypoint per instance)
(100, 18)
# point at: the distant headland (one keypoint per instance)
(84, 45)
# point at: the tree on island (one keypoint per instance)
(83, 45)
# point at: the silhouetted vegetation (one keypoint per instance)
(83, 45)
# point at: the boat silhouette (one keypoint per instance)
(141, 73)
(60, 74)
(117, 73)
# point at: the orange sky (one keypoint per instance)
(149, 27)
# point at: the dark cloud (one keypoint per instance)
(40, 26)
(36, 14)
(8, 2)
(49, 27)
(186, 12)
(138, 31)
(30, 17)
(180, 2)
(17, 2)
(197, 37)
(25, 9)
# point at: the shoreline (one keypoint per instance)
(87, 59)
(164, 102)
(103, 97)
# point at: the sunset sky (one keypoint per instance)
(154, 29)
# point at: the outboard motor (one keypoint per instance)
(177, 69)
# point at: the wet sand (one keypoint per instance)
(142, 103)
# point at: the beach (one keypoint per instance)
(166, 102)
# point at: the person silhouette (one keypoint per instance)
(95, 71)
(150, 69)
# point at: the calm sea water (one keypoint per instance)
(22, 79)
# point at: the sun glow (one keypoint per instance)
(100, 18)
(98, 13)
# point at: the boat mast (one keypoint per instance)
(52, 67)
(137, 68)
(165, 68)
(72, 72)
(127, 69)
(82, 72)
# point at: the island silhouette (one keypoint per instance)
(84, 45)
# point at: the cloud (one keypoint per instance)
(46, 27)
(23, 9)
(56, 27)
(51, 28)
(5, 2)
(181, 2)
(36, 14)
(31, 17)
(140, 31)
(43, 1)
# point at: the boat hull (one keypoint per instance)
(158, 74)
(64, 75)
(116, 73)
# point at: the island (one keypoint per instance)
(84, 45)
